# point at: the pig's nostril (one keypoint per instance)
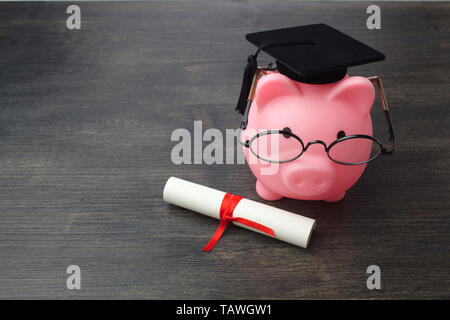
(319, 182)
(298, 181)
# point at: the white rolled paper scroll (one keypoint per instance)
(287, 226)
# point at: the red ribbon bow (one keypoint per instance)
(227, 207)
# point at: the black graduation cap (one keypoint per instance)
(316, 54)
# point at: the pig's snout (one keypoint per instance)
(310, 176)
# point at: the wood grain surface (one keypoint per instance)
(85, 124)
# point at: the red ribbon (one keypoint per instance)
(227, 207)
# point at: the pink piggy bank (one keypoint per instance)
(293, 131)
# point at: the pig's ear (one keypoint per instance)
(272, 86)
(357, 91)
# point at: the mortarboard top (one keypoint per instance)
(314, 53)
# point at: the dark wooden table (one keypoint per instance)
(85, 124)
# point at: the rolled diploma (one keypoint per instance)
(287, 226)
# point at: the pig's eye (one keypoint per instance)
(340, 134)
(287, 129)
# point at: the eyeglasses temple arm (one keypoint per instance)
(250, 98)
(256, 77)
(380, 89)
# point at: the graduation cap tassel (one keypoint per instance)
(249, 71)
